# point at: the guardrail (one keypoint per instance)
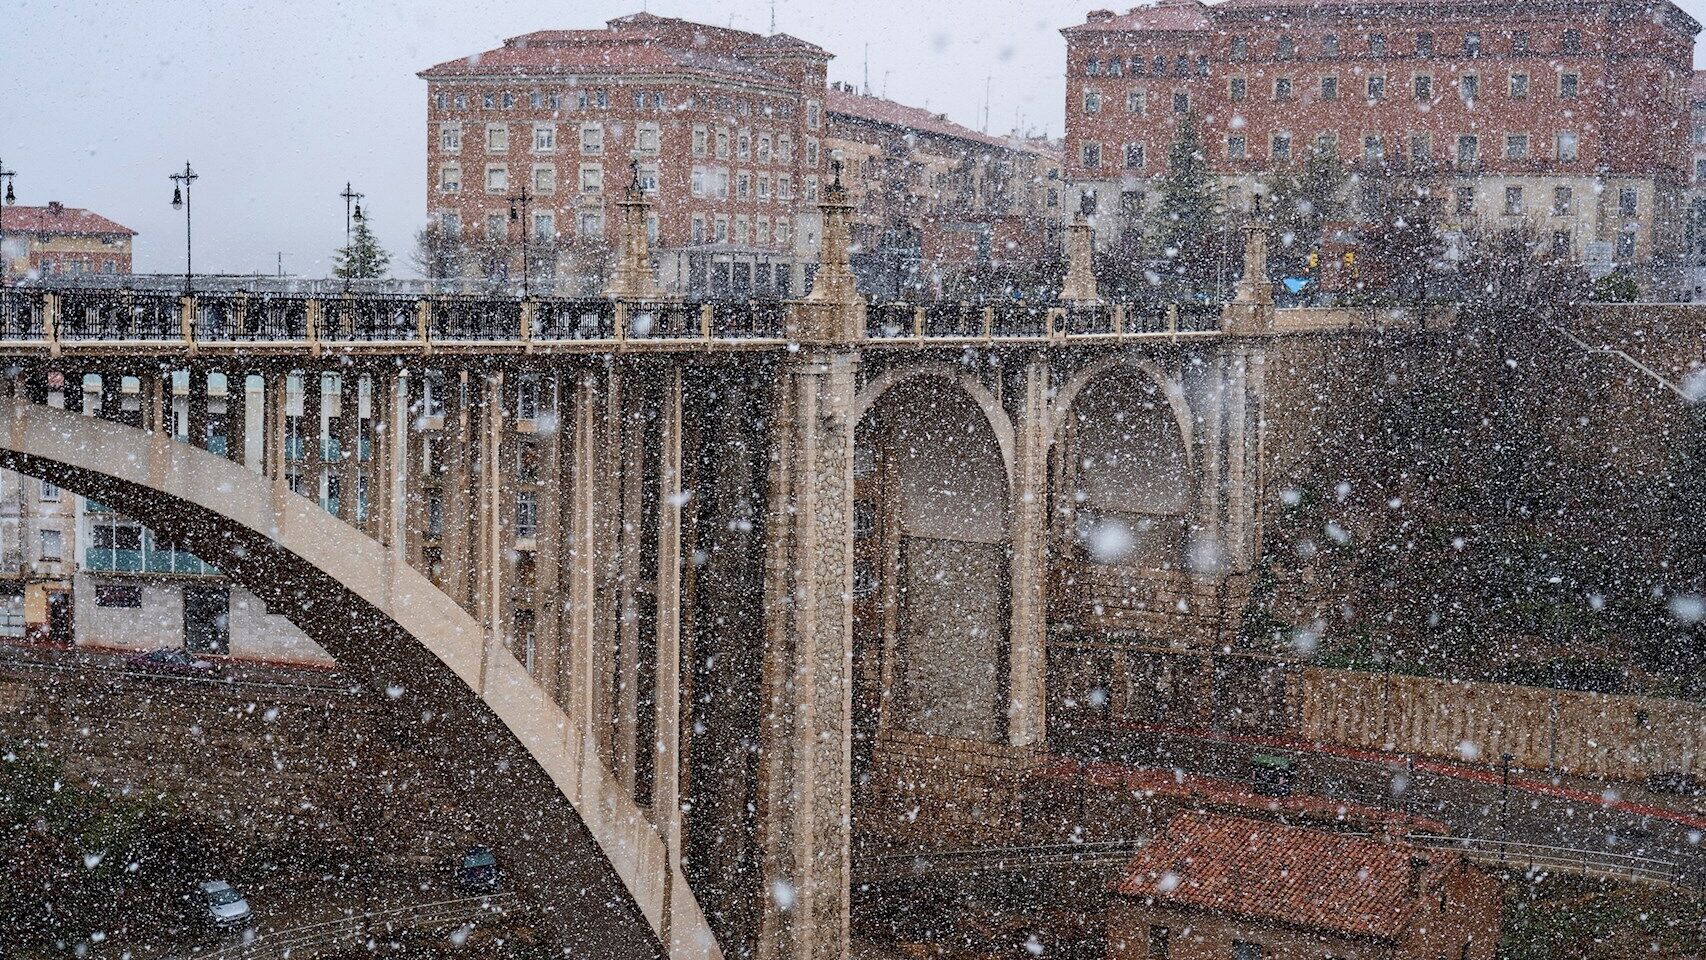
(1533, 856)
(982, 860)
(286, 943)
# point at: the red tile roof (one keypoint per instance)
(1167, 16)
(887, 112)
(1258, 870)
(641, 43)
(73, 221)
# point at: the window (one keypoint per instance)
(1562, 243)
(591, 223)
(1092, 101)
(698, 228)
(451, 223)
(696, 183)
(489, 101)
(785, 187)
(1235, 148)
(526, 514)
(743, 185)
(1563, 199)
(1092, 156)
(1284, 49)
(741, 228)
(1513, 201)
(1181, 102)
(743, 145)
(1421, 147)
(496, 225)
(1472, 44)
(1628, 202)
(785, 149)
(764, 149)
(1424, 86)
(1465, 201)
(1134, 156)
(1136, 102)
(1159, 942)
(1237, 87)
(1246, 950)
(1568, 147)
(1330, 45)
(1468, 151)
(811, 152)
(1469, 87)
(782, 231)
(450, 137)
(1329, 88)
(1281, 147)
(52, 545)
(1625, 251)
(460, 101)
(544, 179)
(814, 114)
(497, 138)
(1377, 44)
(1282, 88)
(647, 174)
(1571, 41)
(592, 139)
(1516, 146)
(764, 186)
(1240, 49)
(1113, 67)
(810, 188)
(1700, 170)
(450, 178)
(497, 178)
(1520, 41)
(544, 227)
(544, 138)
(1377, 87)
(722, 143)
(646, 139)
(700, 139)
(592, 178)
(124, 595)
(1373, 150)
(1568, 84)
(1327, 144)
(509, 100)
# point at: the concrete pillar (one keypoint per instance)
(1029, 536)
(490, 563)
(397, 467)
(276, 404)
(452, 448)
(666, 778)
(580, 678)
(547, 558)
(195, 403)
(626, 752)
(312, 429)
(347, 428)
(237, 415)
(805, 785)
(1080, 285)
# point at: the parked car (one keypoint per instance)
(477, 872)
(172, 662)
(1677, 782)
(225, 906)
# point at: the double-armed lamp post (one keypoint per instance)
(181, 198)
(352, 214)
(10, 198)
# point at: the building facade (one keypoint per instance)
(723, 128)
(1570, 117)
(57, 239)
(934, 198)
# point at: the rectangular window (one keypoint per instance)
(1377, 87)
(1373, 150)
(1181, 102)
(646, 139)
(592, 139)
(497, 178)
(544, 227)
(764, 149)
(1471, 44)
(1424, 44)
(1626, 246)
(1135, 103)
(1246, 950)
(496, 225)
(743, 145)
(1330, 45)
(1571, 41)
(1519, 86)
(1568, 84)
(497, 138)
(811, 189)
(1465, 201)
(741, 227)
(781, 230)
(814, 114)
(764, 186)
(1562, 243)
(591, 223)
(1282, 88)
(1516, 146)
(1563, 199)
(1160, 946)
(1513, 201)
(1284, 49)
(1237, 87)
(1469, 87)
(52, 545)
(592, 178)
(509, 100)
(450, 137)
(1092, 101)
(785, 149)
(450, 178)
(698, 228)
(1421, 147)
(1424, 87)
(743, 185)
(545, 179)
(1628, 202)
(1235, 149)
(785, 187)
(489, 101)
(544, 138)
(1468, 151)
(121, 595)
(1240, 49)
(700, 139)
(1134, 156)
(1281, 148)
(1329, 88)
(1568, 147)
(1377, 44)
(526, 514)
(722, 143)
(811, 152)
(1520, 41)
(1092, 155)
(1327, 144)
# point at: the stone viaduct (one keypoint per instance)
(664, 582)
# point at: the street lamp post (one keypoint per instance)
(1504, 801)
(181, 198)
(10, 198)
(518, 213)
(351, 200)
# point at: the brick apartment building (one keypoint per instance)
(1214, 887)
(1571, 115)
(934, 197)
(57, 239)
(724, 128)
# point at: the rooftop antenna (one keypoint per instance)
(867, 69)
(886, 84)
(773, 16)
(987, 79)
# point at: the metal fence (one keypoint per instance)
(303, 940)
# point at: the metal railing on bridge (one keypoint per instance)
(305, 940)
(76, 315)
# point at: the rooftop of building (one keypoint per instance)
(57, 218)
(845, 100)
(1165, 16)
(1316, 879)
(640, 43)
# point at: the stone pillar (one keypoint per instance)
(627, 752)
(547, 558)
(453, 446)
(632, 279)
(1027, 673)
(666, 758)
(1251, 312)
(312, 428)
(348, 432)
(805, 778)
(195, 404)
(276, 406)
(1080, 285)
(579, 696)
(490, 564)
(237, 415)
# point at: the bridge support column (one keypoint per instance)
(312, 429)
(1026, 716)
(237, 415)
(395, 476)
(347, 429)
(275, 395)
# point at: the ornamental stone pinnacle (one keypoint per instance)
(632, 279)
(833, 313)
(1080, 284)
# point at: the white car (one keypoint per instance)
(225, 906)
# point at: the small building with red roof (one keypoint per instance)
(57, 239)
(1214, 886)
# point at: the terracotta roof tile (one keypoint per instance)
(1168, 16)
(62, 220)
(888, 112)
(1267, 871)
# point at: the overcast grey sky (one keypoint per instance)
(278, 103)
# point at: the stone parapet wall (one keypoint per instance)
(928, 791)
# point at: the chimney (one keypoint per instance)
(1418, 866)
(1099, 16)
(55, 208)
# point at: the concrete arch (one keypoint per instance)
(1173, 390)
(999, 423)
(558, 819)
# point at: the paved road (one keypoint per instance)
(1467, 799)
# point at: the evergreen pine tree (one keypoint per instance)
(1302, 203)
(364, 258)
(1186, 224)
